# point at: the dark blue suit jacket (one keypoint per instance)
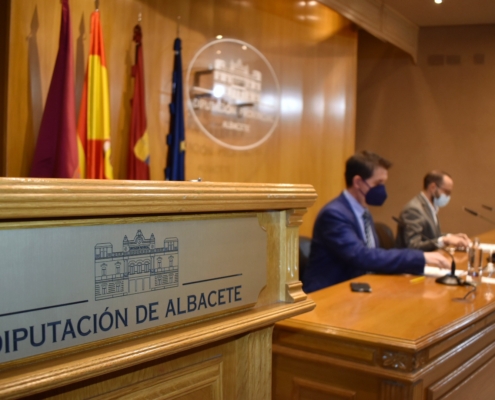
(339, 252)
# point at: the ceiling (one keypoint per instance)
(450, 12)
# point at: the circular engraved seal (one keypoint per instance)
(233, 94)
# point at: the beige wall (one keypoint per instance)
(428, 116)
(315, 61)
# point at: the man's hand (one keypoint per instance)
(436, 259)
(456, 240)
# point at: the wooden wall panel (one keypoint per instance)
(315, 62)
(4, 69)
(436, 114)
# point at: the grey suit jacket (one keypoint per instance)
(417, 225)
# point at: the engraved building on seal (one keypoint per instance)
(140, 267)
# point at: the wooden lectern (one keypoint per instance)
(121, 289)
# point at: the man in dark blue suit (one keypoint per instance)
(345, 244)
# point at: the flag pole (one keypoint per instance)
(175, 167)
(138, 151)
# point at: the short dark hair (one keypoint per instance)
(363, 164)
(435, 176)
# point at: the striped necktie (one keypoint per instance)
(367, 229)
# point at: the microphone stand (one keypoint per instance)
(476, 214)
(450, 279)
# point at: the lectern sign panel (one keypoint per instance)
(234, 95)
(66, 286)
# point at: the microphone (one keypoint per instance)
(450, 279)
(472, 212)
(487, 207)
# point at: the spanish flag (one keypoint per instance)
(93, 128)
(139, 150)
(56, 149)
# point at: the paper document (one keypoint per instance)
(484, 279)
(487, 247)
(435, 271)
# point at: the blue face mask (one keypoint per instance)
(376, 196)
(441, 201)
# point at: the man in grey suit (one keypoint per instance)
(419, 227)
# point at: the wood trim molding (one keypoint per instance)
(295, 218)
(300, 385)
(4, 79)
(451, 334)
(402, 361)
(454, 381)
(381, 21)
(254, 354)
(293, 286)
(39, 377)
(328, 360)
(22, 198)
(473, 353)
(173, 385)
(294, 292)
(390, 390)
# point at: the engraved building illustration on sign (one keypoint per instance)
(230, 82)
(235, 83)
(140, 267)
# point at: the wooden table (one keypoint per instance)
(408, 339)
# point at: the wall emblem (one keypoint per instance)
(139, 267)
(234, 95)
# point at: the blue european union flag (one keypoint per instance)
(175, 170)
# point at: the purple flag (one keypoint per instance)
(56, 150)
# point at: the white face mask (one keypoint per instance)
(441, 201)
